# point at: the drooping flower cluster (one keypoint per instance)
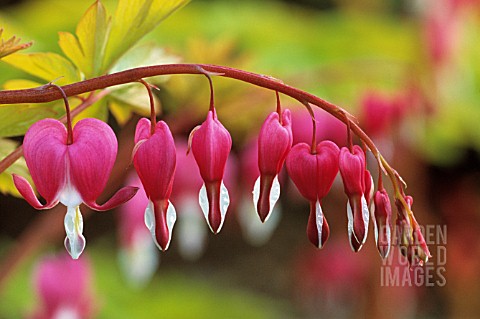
(72, 166)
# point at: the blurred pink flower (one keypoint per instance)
(138, 255)
(63, 288)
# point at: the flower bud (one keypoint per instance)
(382, 213)
(155, 161)
(352, 168)
(211, 144)
(274, 143)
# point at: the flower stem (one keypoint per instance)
(153, 114)
(67, 114)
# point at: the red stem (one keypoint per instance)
(41, 94)
(67, 114)
(153, 114)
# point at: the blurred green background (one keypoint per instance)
(339, 50)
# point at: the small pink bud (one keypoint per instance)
(211, 144)
(382, 222)
(155, 161)
(352, 169)
(313, 174)
(274, 143)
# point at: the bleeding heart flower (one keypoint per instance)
(382, 214)
(155, 161)
(211, 144)
(274, 143)
(70, 173)
(352, 169)
(313, 174)
(253, 229)
(63, 288)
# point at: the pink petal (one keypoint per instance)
(44, 150)
(302, 167)
(352, 169)
(327, 166)
(25, 189)
(122, 196)
(91, 157)
(211, 145)
(274, 142)
(156, 160)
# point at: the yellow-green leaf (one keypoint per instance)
(19, 167)
(19, 84)
(120, 111)
(46, 66)
(132, 20)
(16, 119)
(97, 110)
(87, 48)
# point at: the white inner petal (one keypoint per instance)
(66, 312)
(366, 218)
(203, 201)
(224, 202)
(254, 231)
(319, 221)
(350, 223)
(171, 218)
(256, 193)
(69, 196)
(274, 194)
(389, 238)
(150, 217)
(375, 226)
(73, 222)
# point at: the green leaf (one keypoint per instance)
(16, 119)
(132, 20)
(46, 66)
(19, 167)
(87, 48)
